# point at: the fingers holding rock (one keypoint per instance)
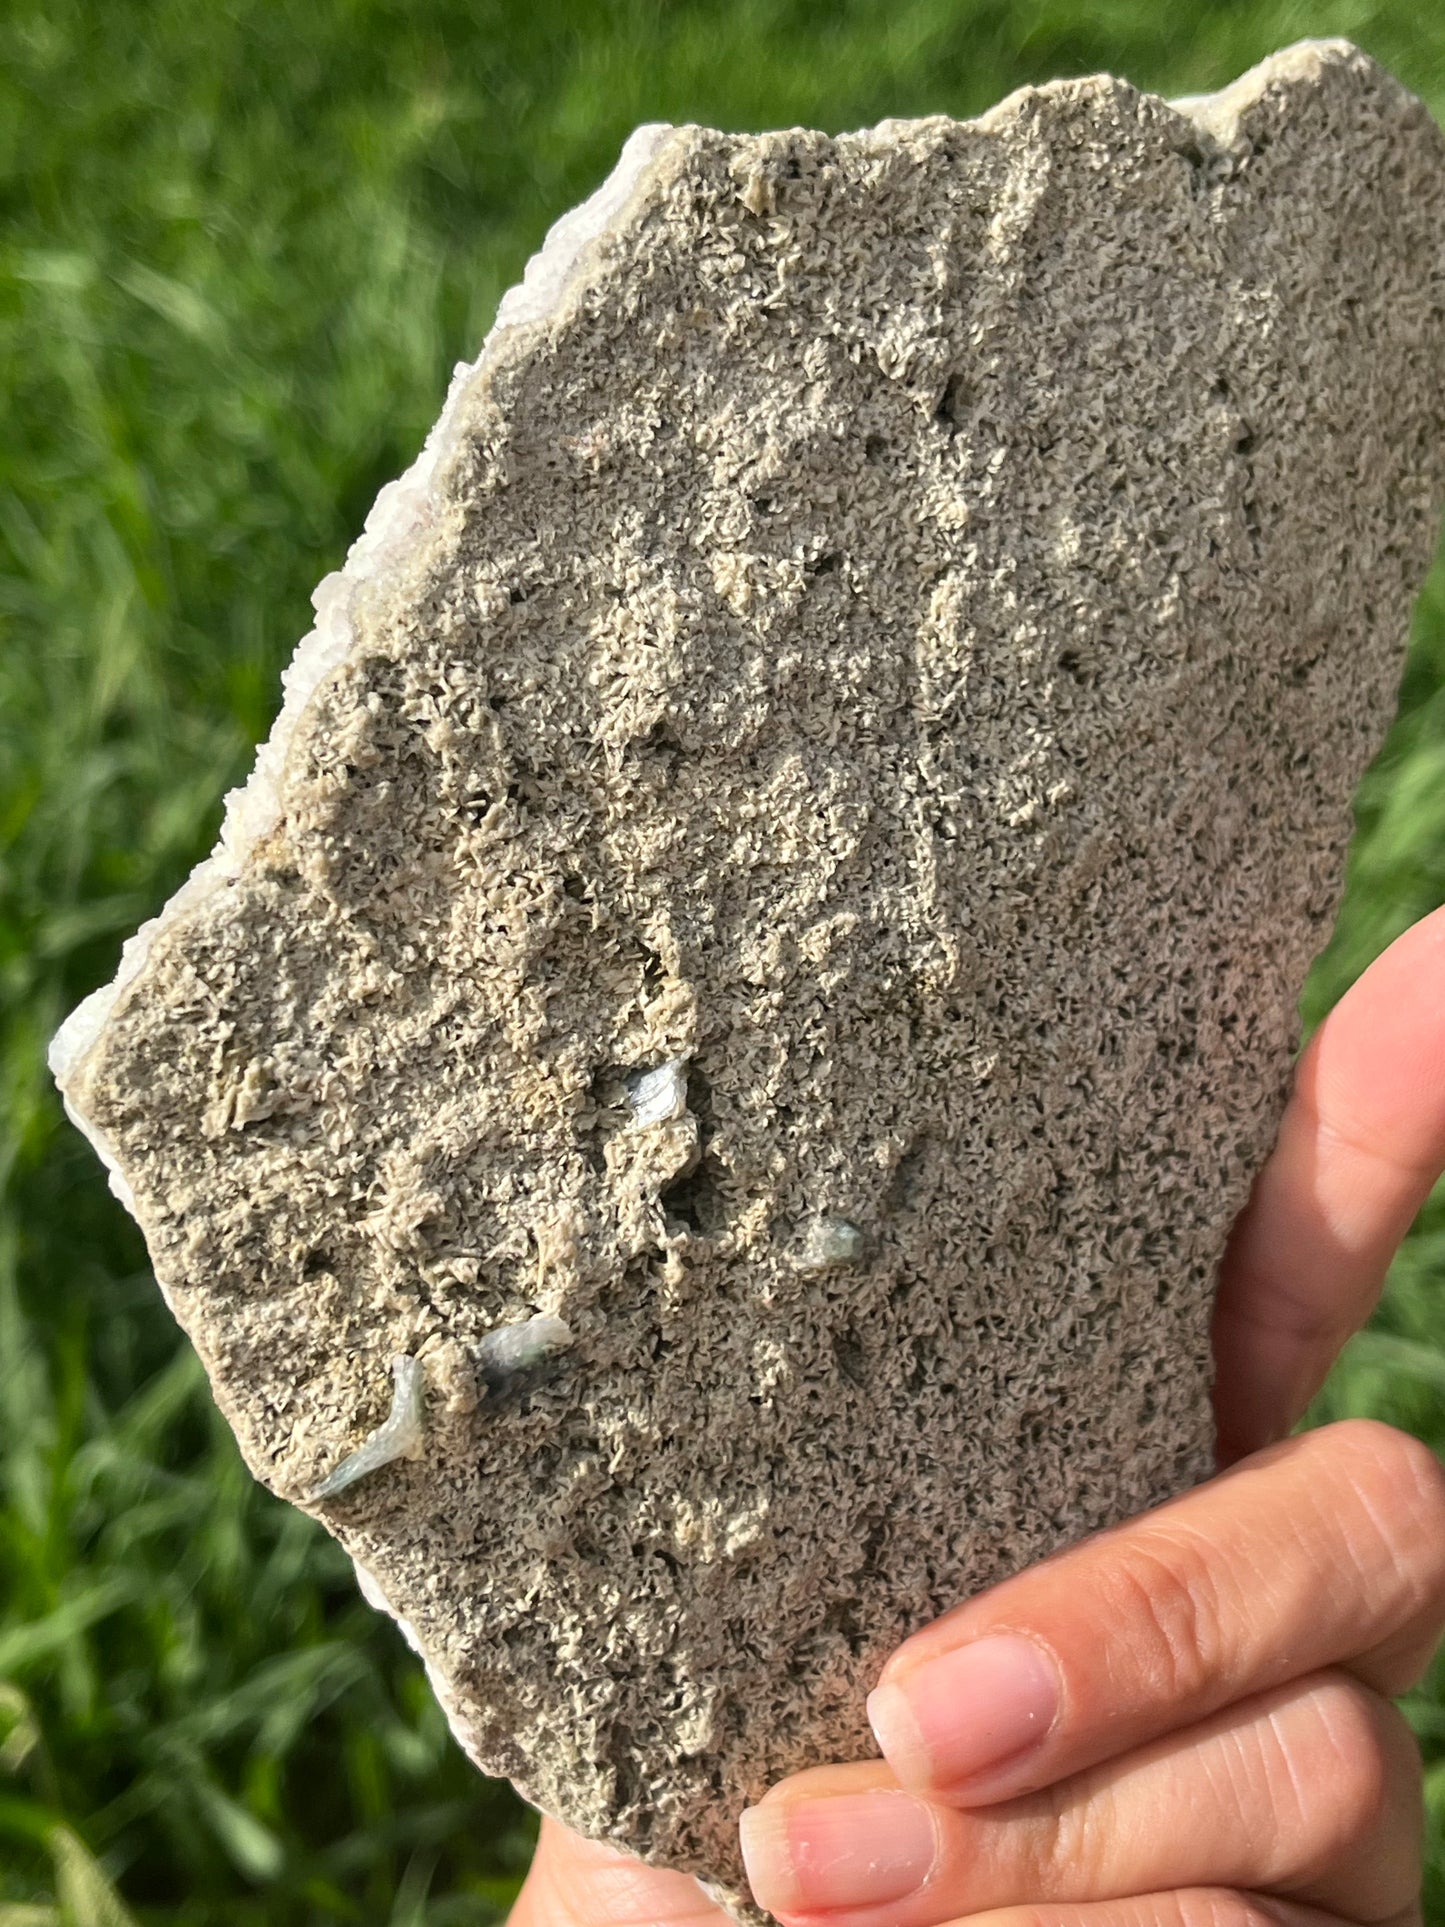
(1309, 1792)
(1327, 1551)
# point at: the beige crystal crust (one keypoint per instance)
(792, 849)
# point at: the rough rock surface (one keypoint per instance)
(894, 621)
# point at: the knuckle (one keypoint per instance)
(1075, 1847)
(1419, 1478)
(1219, 1907)
(1401, 1467)
(1166, 1604)
(1362, 1772)
(1400, 1485)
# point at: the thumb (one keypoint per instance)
(583, 1883)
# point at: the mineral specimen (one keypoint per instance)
(849, 723)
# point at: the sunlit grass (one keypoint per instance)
(240, 248)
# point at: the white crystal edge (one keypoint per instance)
(403, 506)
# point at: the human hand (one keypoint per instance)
(1154, 1726)
(1220, 1666)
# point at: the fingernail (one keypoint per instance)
(856, 1850)
(967, 1713)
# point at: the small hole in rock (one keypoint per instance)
(626, 1781)
(609, 1086)
(697, 1200)
(699, 1098)
(904, 1185)
(952, 404)
(852, 1361)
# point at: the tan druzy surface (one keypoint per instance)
(894, 621)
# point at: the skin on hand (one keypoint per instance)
(1212, 1712)
(1185, 1720)
(1360, 1146)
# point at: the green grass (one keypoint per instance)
(240, 248)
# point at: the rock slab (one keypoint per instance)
(884, 637)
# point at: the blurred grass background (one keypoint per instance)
(241, 246)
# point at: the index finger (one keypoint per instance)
(1360, 1145)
